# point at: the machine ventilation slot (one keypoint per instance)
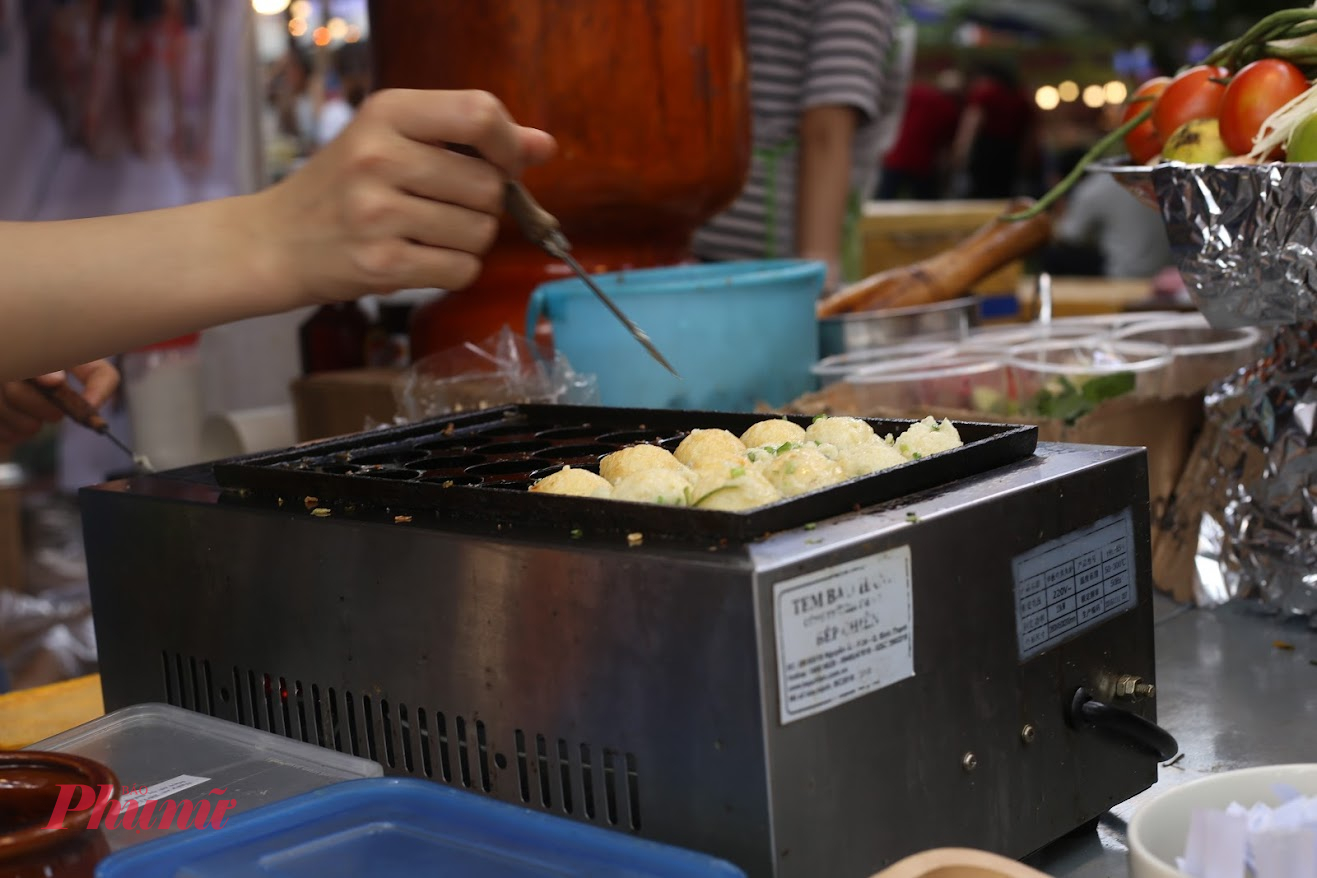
(596, 784)
(188, 683)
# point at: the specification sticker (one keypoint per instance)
(1073, 583)
(162, 790)
(843, 632)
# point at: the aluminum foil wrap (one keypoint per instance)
(1258, 534)
(1244, 238)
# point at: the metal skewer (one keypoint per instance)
(71, 403)
(542, 228)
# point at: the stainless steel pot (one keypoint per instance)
(865, 330)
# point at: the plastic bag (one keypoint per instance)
(505, 369)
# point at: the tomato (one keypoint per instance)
(1143, 141)
(1255, 92)
(1191, 95)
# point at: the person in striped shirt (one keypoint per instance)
(828, 78)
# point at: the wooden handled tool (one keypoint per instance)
(949, 274)
(72, 404)
(541, 228)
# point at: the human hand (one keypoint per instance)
(23, 409)
(387, 206)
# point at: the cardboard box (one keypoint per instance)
(1168, 428)
(898, 233)
(331, 404)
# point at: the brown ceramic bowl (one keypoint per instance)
(29, 787)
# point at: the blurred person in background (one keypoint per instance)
(995, 147)
(917, 164)
(112, 108)
(822, 74)
(346, 85)
(1128, 237)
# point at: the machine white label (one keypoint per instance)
(1074, 582)
(843, 632)
(162, 790)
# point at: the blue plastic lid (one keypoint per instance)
(396, 826)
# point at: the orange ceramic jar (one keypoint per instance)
(29, 787)
(649, 102)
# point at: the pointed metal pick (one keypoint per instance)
(542, 228)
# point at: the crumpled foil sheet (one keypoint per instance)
(1244, 238)
(1259, 539)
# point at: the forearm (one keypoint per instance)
(965, 134)
(73, 291)
(823, 183)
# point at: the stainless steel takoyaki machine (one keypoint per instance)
(957, 651)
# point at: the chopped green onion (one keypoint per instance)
(785, 446)
(912, 518)
(818, 418)
(738, 471)
(751, 455)
(916, 456)
(577, 533)
(811, 525)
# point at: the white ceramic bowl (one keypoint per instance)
(1160, 828)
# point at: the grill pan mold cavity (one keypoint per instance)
(478, 468)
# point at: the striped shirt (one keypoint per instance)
(804, 54)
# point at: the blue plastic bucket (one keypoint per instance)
(739, 333)
(396, 827)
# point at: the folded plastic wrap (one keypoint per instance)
(1244, 238)
(504, 369)
(1258, 535)
(46, 630)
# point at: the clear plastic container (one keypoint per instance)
(400, 826)
(1059, 369)
(168, 755)
(835, 368)
(998, 340)
(965, 382)
(1202, 354)
(163, 386)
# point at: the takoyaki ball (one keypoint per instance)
(667, 487)
(802, 470)
(709, 445)
(575, 482)
(635, 459)
(773, 432)
(842, 432)
(870, 458)
(827, 449)
(739, 489)
(928, 437)
(761, 457)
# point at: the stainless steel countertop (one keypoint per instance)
(1231, 697)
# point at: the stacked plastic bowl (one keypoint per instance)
(1045, 369)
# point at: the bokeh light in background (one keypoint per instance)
(1094, 96)
(312, 23)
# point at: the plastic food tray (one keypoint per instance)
(175, 755)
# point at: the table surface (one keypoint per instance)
(1233, 696)
(1227, 688)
